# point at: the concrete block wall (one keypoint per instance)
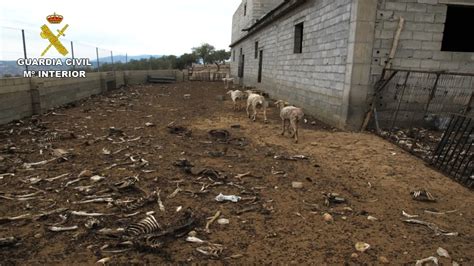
(421, 38)
(255, 10)
(140, 76)
(56, 92)
(22, 97)
(313, 79)
(15, 99)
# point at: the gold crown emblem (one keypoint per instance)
(54, 18)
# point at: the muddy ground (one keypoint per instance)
(273, 222)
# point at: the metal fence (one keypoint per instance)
(421, 112)
(453, 155)
(19, 43)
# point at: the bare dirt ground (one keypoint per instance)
(273, 222)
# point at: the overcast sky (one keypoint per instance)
(135, 27)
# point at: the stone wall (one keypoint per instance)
(421, 38)
(313, 79)
(22, 97)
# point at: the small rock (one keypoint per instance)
(38, 235)
(297, 185)
(85, 173)
(442, 252)
(223, 221)
(383, 260)
(371, 218)
(328, 218)
(187, 96)
(192, 233)
(97, 178)
(354, 255)
(361, 246)
(2, 159)
(344, 218)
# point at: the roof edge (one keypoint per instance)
(272, 15)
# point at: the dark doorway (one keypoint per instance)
(241, 66)
(456, 37)
(260, 62)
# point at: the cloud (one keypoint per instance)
(133, 27)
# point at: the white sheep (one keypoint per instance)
(293, 115)
(236, 97)
(227, 81)
(256, 101)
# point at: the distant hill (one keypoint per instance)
(121, 58)
(9, 67)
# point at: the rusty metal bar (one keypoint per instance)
(399, 102)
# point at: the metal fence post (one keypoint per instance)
(24, 47)
(112, 58)
(97, 55)
(72, 56)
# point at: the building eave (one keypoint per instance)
(274, 14)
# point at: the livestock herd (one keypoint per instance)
(290, 115)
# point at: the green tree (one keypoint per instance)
(204, 52)
(219, 57)
(186, 60)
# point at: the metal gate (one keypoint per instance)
(430, 114)
(454, 155)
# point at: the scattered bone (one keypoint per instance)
(160, 203)
(439, 213)
(106, 151)
(111, 232)
(92, 223)
(409, 215)
(333, 198)
(239, 176)
(60, 153)
(194, 239)
(97, 178)
(232, 198)
(29, 165)
(248, 209)
(97, 200)
(57, 177)
(103, 261)
(422, 195)
(15, 218)
(62, 229)
(73, 181)
(425, 260)
(145, 226)
(88, 214)
(432, 226)
(213, 250)
(213, 218)
(148, 124)
(44, 214)
(6, 174)
(175, 192)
